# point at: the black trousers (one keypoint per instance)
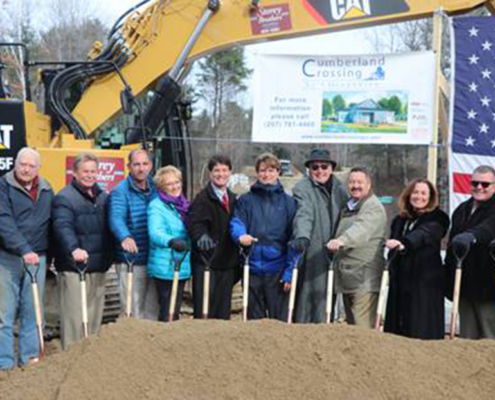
(221, 285)
(267, 298)
(164, 290)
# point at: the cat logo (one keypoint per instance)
(5, 134)
(341, 10)
(332, 11)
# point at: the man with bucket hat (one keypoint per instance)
(320, 197)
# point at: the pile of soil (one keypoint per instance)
(134, 359)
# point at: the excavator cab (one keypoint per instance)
(12, 126)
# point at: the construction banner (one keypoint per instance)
(383, 99)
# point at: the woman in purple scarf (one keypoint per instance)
(169, 240)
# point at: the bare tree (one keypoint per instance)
(16, 25)
(71, 30)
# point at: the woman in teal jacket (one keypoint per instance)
(169, 240)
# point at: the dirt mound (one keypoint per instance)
(259, 360)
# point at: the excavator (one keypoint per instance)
(149, 50)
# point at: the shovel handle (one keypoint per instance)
(173, 296)
(245, 290)
(206, 293)
(128, 305)
(39, 318)
(84, 308)
(292, 295)
(329, 304)
(455, 304)
(382, 298)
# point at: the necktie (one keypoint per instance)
(225, 202)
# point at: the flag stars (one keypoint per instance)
(473, 32)
(470, 141)
(484, 128)
(485, 101)
(487, 46)
(493, 143)
(473, 59)
(486, 73)
(493, 115)
(473, 87)
(472, 114)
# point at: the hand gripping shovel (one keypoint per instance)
(129, 260)
(81, 269)
(246, 253)
(330, 279)
(178, 258)
(457, 291)
(207, 256)
(36, 302)
(293, 287)
(384, 287)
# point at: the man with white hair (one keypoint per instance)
(25, 207)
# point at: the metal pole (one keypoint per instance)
(213, 6)
(437, 48)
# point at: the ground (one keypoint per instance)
(193, 359)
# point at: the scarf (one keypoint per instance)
(181, 203)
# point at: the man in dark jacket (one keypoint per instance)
(263, 219)
(25, 204)
(84, 240)
(208, 227)
(129, 224)
(320, 197)
(473, 228)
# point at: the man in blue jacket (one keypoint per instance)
(263, 219)
(128, 222)
(25, 203)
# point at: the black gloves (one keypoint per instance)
(462, 242)
(205, 243)
(178, 244)
(301, 244)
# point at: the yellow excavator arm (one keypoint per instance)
(156, 36)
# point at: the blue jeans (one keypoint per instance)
(16, 301)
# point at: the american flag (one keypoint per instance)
(473, 108)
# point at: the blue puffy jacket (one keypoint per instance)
(266, 213)
(164, 223)
(129, 218)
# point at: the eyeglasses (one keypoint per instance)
(316, 167)
(484, 185)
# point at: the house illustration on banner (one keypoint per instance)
(366, 112)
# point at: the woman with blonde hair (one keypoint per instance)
(417, 278)
(168, 238)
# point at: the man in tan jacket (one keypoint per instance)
(358, 246)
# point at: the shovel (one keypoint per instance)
(384, 287)
(81, 269)
(206, 282)
(246, 253)
(330, 278)
(293, 287)
(36, 302)
(178, 259)
(129, 260)
(457, 292)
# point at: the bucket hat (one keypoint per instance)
(321, 155)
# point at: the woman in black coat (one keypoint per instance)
(415, 305)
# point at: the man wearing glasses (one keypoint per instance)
(473, 228)
(320, 197)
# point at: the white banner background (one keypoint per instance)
(289, 92)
